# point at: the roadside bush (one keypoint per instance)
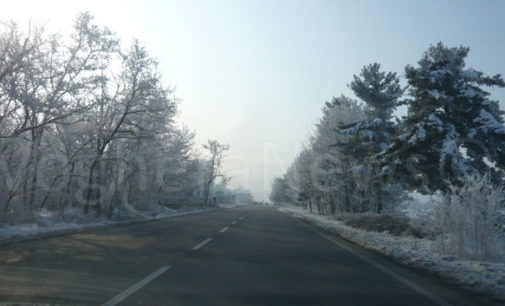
(395, 224)
(469, 219)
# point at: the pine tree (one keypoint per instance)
(451, 127)
(380, 92)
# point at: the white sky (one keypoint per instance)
(255, 74)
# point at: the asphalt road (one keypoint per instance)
(251, 255)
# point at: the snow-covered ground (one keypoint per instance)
(47, 224)
(479, 276)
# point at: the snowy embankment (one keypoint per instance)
(48, 225)
(479, 276)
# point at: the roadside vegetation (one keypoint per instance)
(88, 130)
(366, 159)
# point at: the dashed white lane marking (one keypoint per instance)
(401, 279)
(234, 222)
(123, 295)
(224, 229)
(201, 244)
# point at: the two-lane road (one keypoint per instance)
(249, 255)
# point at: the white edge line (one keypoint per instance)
(384, 269)
(201, 244)
(123, 295)
(224, 229)
(234, 222)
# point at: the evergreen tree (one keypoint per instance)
(380, 92)
(279, 193)
(451, 127)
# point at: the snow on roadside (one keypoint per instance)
(48, 225)
(478, 276)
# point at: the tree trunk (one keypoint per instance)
(90, 183)
(379, 201)
(347, 200)
(35, 153)
(7, 204)
(69, 189)
(206, 193)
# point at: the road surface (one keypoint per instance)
(250, 255)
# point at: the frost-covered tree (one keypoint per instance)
(19, 55)
(224, 194)
(48, 82)
(470, 219)
(280, 189)
(299, 179)
(379, 91)
(452, 128)
(86, 123)
(336, 171)
(214, 165)
(132, 108)
(322, 176)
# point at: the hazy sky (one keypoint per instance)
(255, 74)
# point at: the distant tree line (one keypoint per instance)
(362, 158)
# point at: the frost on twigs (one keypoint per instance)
(470, 219)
